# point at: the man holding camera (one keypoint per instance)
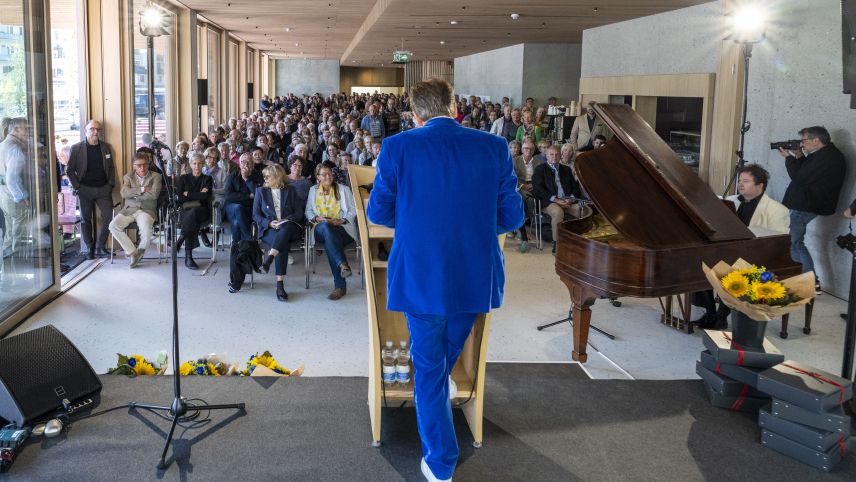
(817, 171)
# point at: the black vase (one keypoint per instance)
(747, 332)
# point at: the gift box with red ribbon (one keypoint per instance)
(747, 375)
(834, 420)
(725, 350)
(724, 385)
(805, 386)
(824, 460)
(817, 439)
(741, 402)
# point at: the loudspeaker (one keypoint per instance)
(38, 370)
(250, 90)
(202, 91)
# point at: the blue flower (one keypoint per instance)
(200, 370)
(766, 276)
(132, 362)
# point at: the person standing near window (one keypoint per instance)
(92, 174)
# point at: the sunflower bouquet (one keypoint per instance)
(266, 365)
(756, 292)
(199, 367)
(138, 365)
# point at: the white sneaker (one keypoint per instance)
(290, 259)
(453, 389)
(429, 476)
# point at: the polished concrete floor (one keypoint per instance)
(129, 311)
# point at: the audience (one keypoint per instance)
(554, 185)
(238, 196)
(140, 191)
(194, 192)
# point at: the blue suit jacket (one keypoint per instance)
(448, 191)
(263, 208)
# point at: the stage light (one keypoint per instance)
(748, 24)
(152, 21)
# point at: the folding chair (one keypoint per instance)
(311, 249)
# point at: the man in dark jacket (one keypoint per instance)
(817, 174)
(239, 193)
(555, 186)
(92, 173)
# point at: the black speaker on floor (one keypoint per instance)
(202, 91)
(38, 370)
(250, 90)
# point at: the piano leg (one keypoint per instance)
(582, 298)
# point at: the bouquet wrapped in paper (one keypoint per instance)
(135, 365)
(756, 292)
(212, 365)
(265, 365)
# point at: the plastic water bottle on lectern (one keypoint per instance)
(402, 367)
(388, 356)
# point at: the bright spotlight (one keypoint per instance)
(152, 21)
(748, 24)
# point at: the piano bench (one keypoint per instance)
(806, 328)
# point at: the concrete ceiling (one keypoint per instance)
(366, 32)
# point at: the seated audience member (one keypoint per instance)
(300, 184)
(569, 154)
(180, 164)
(276, 212)
(515, 147)
(227, 155)
(524, 169)
(376, 144)
(194, 194)
(340, 172)
(331, 207)
(238, 195)
(218, 176)
(529, 129)
(360, 151)
(140, 191)
(498, 125)
(259, 161)
(543, 144)
(598, 141)
(555, 186)
(757, 210)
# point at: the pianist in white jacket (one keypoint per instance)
(754, 207)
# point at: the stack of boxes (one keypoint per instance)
(806, 420)
(730, 372)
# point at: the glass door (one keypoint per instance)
(27, 171)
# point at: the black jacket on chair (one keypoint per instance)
(245, 258)
(544, 183)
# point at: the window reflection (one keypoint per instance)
(25, 180)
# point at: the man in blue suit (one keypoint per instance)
(448, 191)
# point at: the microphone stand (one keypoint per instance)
(179, 409)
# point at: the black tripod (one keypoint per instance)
(848, 243)
(570, 321)
(179, 409)
(745, 125)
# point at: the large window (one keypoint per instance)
(26, 268)
(163, 71)
(214, 57)
(232, 79)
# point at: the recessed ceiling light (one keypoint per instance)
(454, 22)
(515, 16)
(442, 42)
(296, 44)
(288, 29)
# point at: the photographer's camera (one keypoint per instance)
(791, 145)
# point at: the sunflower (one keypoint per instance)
(212, 370)
(144, 368)
(736, 284)
(186, 369)
(768, 291)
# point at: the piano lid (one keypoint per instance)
(641, 186)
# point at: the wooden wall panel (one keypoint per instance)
(369, 77)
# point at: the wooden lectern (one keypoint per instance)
(384, 325)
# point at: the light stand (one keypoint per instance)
(179, 409)
(748, 24)
(848, 242)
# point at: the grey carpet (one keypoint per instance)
(542, 422)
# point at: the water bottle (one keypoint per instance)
(388, 357)
(402, 367)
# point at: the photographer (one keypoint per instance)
(817, 174)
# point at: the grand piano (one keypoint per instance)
(666, 223)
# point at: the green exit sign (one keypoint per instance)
(401, 57)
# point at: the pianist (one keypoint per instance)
(757, 210)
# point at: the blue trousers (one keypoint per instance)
(799, 252)
(280, 240)
(240, 217)
(334, 238)
(435, 345)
